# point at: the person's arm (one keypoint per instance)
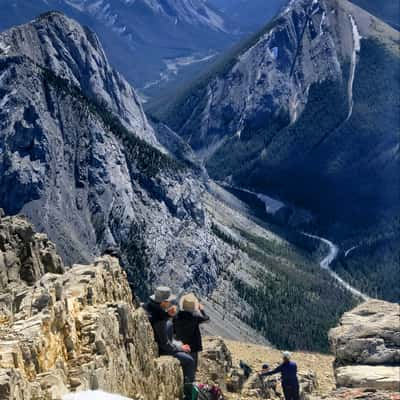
(202, 317)
(273, 372)
(162, 338)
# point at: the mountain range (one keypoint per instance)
(79, 158)
(307, 111)
(229, 186)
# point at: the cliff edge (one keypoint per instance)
(71, 329)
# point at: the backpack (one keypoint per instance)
(206, 392)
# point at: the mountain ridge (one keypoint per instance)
(292, 106)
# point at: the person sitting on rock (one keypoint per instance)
(157, 308)
(288, 371)
(187, 324)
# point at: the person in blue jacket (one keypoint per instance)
(288, 371)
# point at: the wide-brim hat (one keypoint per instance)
(163, 293)
(189, 302)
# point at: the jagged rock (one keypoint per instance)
(367, 347)
(369, 334)
(25, 256)
(76, 330)
(215, 362)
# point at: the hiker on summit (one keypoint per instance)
(160, 318)
(187, 324)
(288, 371)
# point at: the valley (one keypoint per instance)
(272, 206)
(307, 109)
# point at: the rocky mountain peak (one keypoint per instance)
(74, 53)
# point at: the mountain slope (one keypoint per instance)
(306, 110)
(386, 10)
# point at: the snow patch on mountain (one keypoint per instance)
(356, 49)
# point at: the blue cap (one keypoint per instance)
(265, 366)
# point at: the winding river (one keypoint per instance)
(326, 262)
(272, 206)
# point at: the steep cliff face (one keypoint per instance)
(293, 106)
(307, 110)
(79, 329)
(74, 53)
(74, 160)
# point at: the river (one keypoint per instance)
(272, 206)
(326, 262)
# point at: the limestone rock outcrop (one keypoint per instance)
(369, 334)
(367, 347)
(73, 331)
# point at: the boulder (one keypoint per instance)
(367, 348)
(215, 362)
(369, 335)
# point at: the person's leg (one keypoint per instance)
(287, 391)
(188, 366)
(296, 392)
(195, 357)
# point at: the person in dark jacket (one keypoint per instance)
(187, 324)
(288, 371)
(157, 310)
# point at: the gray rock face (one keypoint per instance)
(75, 54)
(369, 335)
(289, 107)
(272, 74)
(75, 330)
(85, 177)
(367, 347)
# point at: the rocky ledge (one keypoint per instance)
(367, 347)
(71, 329)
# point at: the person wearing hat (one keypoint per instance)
(157, 309)
(288, 371)
(187, 324)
